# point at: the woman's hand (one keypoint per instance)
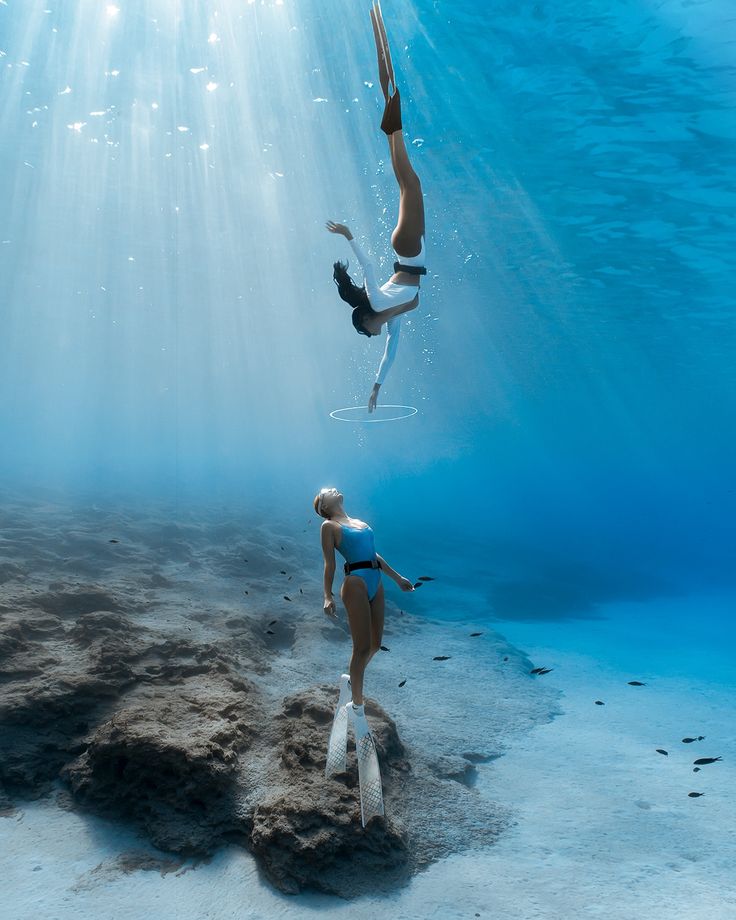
(330, 609)
(373, 398)
(340, 229)
(404, 583)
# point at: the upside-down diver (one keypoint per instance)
(374, 305)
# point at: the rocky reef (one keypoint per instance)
(150, 703)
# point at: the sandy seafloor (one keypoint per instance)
(603, 824)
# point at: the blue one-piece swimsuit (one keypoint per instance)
(357, 545)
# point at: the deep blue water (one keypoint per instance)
(170, 327)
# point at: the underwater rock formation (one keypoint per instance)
(161, 730)
(308, 832)
(169, 685)
(168, 759)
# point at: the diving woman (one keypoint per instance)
(362, 591)
(374, 305)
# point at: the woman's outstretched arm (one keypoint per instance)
(393, 329)
(369, 269)
(402, 582)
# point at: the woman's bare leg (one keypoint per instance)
(407, 236)
(355, 597)
(378, 606)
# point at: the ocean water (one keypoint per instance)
(171, 338)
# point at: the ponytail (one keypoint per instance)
(347, 288)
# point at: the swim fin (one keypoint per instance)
(337, 748)
(369, 772)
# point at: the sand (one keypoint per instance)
(600, 824)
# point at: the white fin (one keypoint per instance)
(337, 748)
(369, 772)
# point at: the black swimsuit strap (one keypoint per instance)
(410, 269)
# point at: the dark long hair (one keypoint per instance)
(347, 288)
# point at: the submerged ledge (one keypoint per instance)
(172, 675)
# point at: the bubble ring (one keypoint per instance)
(343, 415)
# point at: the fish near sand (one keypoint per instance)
(636, 683)
(690, 740)
(702, 761)
(695, 795)
(660, 751)
(441, 657)
(401, 683)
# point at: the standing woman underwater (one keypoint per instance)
(374, 305)
(362, 594)
(362, 590)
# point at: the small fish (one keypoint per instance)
(283, 572)
(385, 648)
(690, 740)
(269, 632)
(401, 683)
(545, 670)
(696, 769)
(289, 578)
(441, 657)
(113, 541)
(417, 584)
(660, 751)
(272, 622)
(282, 547)
(245, 592)
(599, 703)
(245, 560)
(300, 591)
(286, 597)
(425, 578)
(535, 670)
(702, 761)
(636, 683)
(695, 795)
(506, 658)
(473, 635)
